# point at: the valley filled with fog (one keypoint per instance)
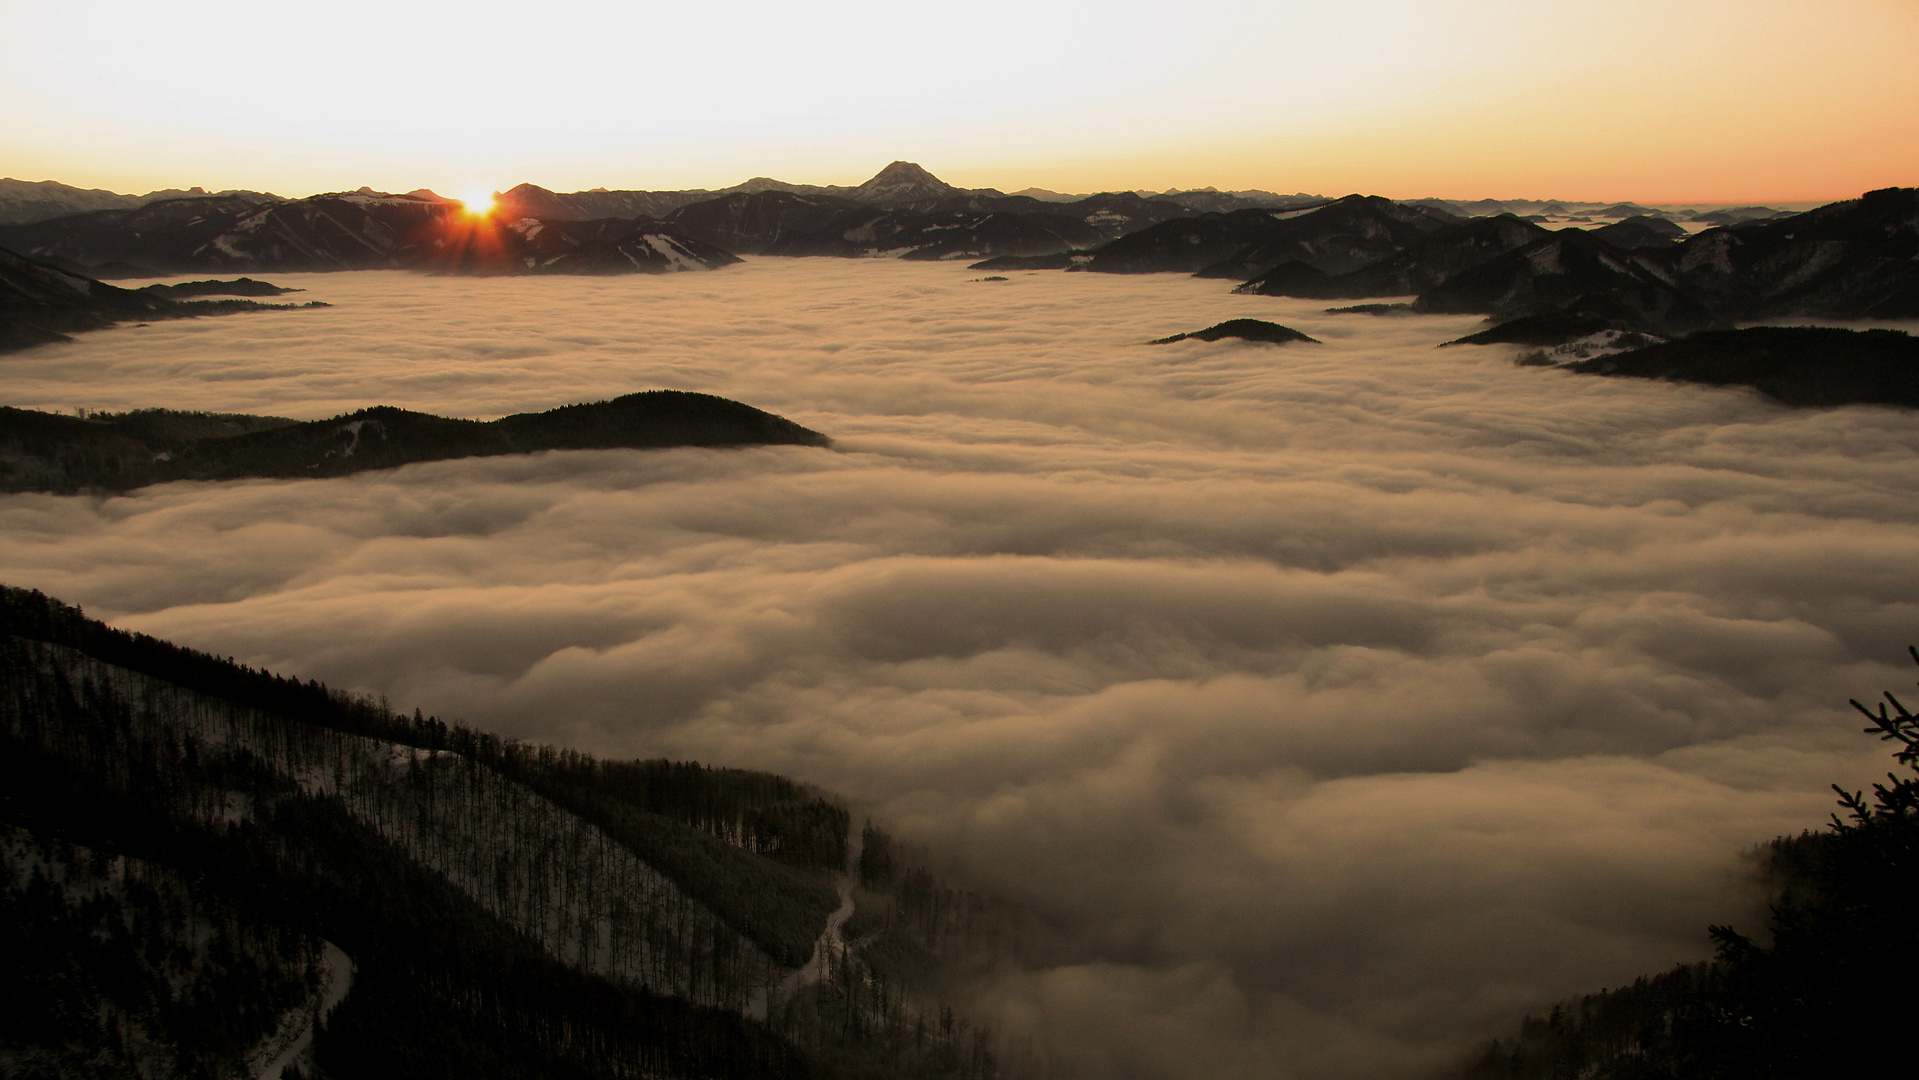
(1337, 702)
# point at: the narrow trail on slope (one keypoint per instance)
(295, 1037)
(830, 942)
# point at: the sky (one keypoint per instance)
(1721, 101)
(1337, 702)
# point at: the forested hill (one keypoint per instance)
(204, 860)
(121, 451)
(1826, 990)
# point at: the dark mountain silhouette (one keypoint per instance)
(1852, 260)
(23, 202)
(1058, 260)
(1334, 239)
(360, 230)
(901, 210)
(1110, 214)
(1213, 200)
(643, 250)
(1624, 210)
(1245, 330)
(901, 184)
(750, 222)
(1331, 238)
(496, 245)
(50, 452)
(1570, 272)
(529, 200)
(871, 230)
(1801, 365)
(158, 235)
(1181, 245)
(1857, 259)
(904, 185)
(971, 236)
(1552, 328)
(1372, 309)
(904, 182)
(40, 304)
(1471, 208)
(1419, 266)
(341, 231)
(1736, 214)
(187, 290)
(1633, 233)
(785, 223)
(1116, 213)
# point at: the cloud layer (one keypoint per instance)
(1339, 701)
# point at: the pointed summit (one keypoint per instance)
(904, 181)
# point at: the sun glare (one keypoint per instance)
(478, 203)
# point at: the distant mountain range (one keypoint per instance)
(23, 201)
(900, 185)
(1640, 272)
(355, 230)
(1857, 259)
(902, 211)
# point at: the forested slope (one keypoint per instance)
(1826, 990)
(183, 832)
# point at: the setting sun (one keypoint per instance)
(478, 203)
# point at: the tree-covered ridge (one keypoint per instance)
(41, 303)
(751, 845)
(121, 451)
(1794, 365)
(508, 910)
(1828, 991)
(441, 986)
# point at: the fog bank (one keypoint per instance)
(1341, 701)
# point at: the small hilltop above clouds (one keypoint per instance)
(119, 452)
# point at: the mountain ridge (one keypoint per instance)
(41, 303)
(492, 908)
(119, 452)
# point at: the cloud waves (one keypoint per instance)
(1337, 701)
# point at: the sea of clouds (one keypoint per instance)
(1338, 702)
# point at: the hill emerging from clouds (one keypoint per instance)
(49, 452)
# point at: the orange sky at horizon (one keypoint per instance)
(1685, 101)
